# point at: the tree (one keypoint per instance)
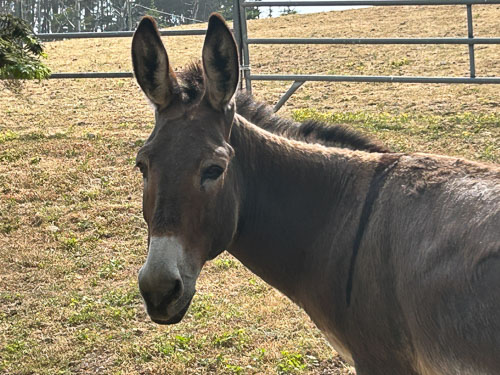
(20, 52)
(55, 16)
(225, 7)
(287, 11)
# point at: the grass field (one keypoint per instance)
(72, 237)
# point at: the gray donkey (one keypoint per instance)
(395, 257)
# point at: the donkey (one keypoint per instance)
(395, 257)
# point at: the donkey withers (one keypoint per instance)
(395, 257)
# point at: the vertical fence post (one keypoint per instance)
(237, 36)
(39, 17)
(20, 9)
(244, 48)
(77, 11)
(129, 15)
(470, 32)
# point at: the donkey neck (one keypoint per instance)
(299, 210)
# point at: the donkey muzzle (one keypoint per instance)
(161, 283)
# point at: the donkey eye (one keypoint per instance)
(212, 172)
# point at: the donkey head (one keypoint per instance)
(189, 198)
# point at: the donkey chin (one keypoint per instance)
(162, 314)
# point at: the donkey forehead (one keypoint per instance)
(199, 118)
(186, 136)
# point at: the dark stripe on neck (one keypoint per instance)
(386, 165)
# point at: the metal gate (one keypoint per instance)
(241, 35)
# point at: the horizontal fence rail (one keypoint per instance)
(391, 79)
(92, 75)
(374, 41)
(114, 34)
(299, 80)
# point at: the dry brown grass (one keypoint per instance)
(71, 233)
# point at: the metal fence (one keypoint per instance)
(241, 35)
(299, 80)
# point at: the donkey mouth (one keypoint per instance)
(158, 319)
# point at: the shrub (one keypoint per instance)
(20, 51)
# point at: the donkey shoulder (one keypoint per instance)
(465, 179)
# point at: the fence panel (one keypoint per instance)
(298, 80)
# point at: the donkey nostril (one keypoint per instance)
(153, 299)
(176, 291)
(159, 292)
(158, 298)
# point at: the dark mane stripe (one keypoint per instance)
(262, 115)
(310, 131)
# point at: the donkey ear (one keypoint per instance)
(220, 63)
(151, 67)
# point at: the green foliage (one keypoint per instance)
(288, 11)
(8, 224)
(57, 16)
(7, 136)
(291, 363)
(109, 270)
(225, 8)
(234, 339)
(168, 346)
(20, 51)
(399, 63)
(377, 120)
(225, 263)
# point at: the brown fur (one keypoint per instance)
(395, 257)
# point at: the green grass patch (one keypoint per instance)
(400, 62)
(7, 136)
(11, 155)
(202, 307)
(291, 363)
(111, 269)
(233, 339)
(83, 310)
(373, 120)
(460, 134)
(225, 263)
(8, 223)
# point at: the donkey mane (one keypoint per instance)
(261, 114)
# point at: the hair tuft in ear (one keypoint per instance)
(151, 66)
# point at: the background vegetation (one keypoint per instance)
(20, 51)
(50, 16)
